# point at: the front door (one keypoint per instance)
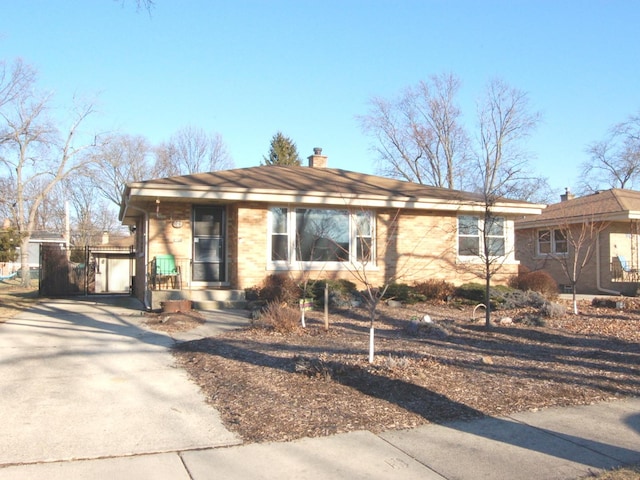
(209, 244)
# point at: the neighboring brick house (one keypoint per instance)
(228, 230)
(542, 241)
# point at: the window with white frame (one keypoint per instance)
(552, 242)
(471, 241)
(320, 235)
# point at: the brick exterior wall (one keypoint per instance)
(614, 240)
(251, 245)
(410, 247)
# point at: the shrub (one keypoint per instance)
(532, 320)
(474, 293)
(280, 289)
(278, 317)
(605, 302)
(553, 310)
(403, 293)
(434, 289)
(520, 299)
(342, 292)
(538, 281)
(471, 291)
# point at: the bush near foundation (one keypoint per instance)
(401, 292)
(278, 317)
(435, 289)
(280, 289)
(537, 281)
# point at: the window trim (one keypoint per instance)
(293, 263)
(553, 242)
(506, 237)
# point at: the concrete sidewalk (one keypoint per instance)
(173, 441)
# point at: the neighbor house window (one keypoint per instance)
(320, 235)
(552, 241)
(471, 241)
(279, 234)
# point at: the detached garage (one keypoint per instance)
(114, 264)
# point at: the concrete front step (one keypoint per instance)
(218, 305)
(202, 299)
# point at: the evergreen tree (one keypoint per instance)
(283, 151)
(9, 242)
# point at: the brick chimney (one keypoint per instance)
(317, 160)
(105, 238)
(567, 195)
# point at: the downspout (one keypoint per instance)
(145, 302)
(598, 285)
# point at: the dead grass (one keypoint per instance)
(14, 298)
(626, 473)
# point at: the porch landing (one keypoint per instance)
(202, 299)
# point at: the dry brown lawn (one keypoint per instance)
(14, 298)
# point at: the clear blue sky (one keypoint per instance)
(247, 69)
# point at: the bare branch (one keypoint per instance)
(418, 136)
(614, 161)
(192, 150)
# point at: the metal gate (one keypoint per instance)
(65, 271)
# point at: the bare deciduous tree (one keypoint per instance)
(90, 215)
(120, 159)
(505, 121)
(35, 156)
(14, 80)
(419, 136)
(582, 240)
(614, 161)
(192, 150)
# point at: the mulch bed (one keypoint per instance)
(271, 386)
(173, 322)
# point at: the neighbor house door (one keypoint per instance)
(209, 244)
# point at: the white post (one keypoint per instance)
(326, 307)
(371, 342)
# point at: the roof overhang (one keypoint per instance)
(138, 195)
(624, 216)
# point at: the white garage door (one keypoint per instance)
(118, 275)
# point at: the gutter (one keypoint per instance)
(598, 285)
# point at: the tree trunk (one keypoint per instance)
(25, 273)
(487, 302)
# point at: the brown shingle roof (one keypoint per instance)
(306, 185)
(614, 204)
(306, 179)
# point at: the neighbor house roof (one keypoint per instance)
(607, 205)
(308, 185)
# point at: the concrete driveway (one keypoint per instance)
(81, 379)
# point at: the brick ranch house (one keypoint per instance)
(613, 267)
(228, 230)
